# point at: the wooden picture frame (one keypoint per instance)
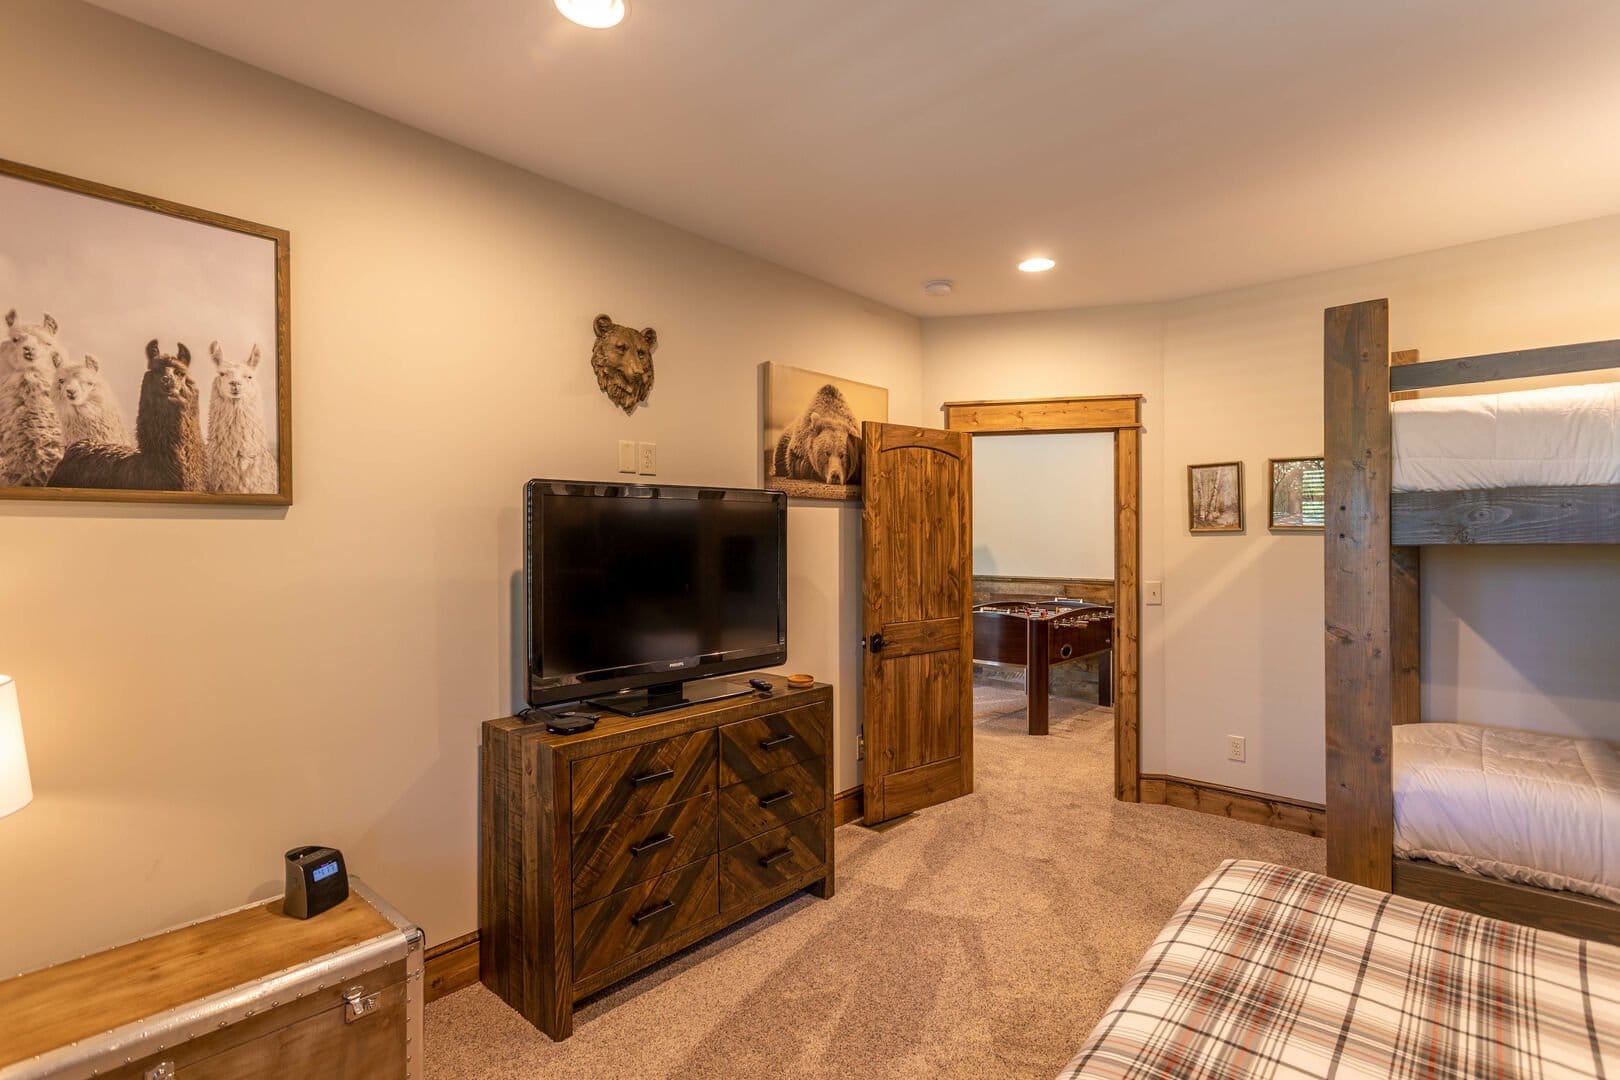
(1215, 497)
(1295, 495)
(140, 333)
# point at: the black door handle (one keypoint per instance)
(768, 800)
(874, 643)
(776, 740)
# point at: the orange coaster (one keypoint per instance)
(800, 680)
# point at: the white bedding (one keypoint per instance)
(1540, 809)
(1556, 436)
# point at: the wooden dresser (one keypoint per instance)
(248, 995)
(604, 852)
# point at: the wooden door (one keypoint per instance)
(917, 618)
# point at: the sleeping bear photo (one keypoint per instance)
(811, 436)
(824, 444)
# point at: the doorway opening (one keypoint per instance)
(1075, 515)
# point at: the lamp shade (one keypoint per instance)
(15, 789)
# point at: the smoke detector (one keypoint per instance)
(937, 287)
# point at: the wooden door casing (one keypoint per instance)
(918, 546)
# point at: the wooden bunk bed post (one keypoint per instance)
(1360, 666)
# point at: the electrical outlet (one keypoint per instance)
(627, 456)
(1235, 750)
(646, 458)
(1152, 592)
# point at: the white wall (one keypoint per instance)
(1514, 636)
(1043, 506)
(204, 688)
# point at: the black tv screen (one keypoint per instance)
(635, 586)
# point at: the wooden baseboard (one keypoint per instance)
(848, 806)
(1235, 803)
(451, 965)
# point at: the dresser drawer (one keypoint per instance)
(641, 846)
(641, 916)
(759, 865)
(641, 778)
(750, 748)
(750, 807)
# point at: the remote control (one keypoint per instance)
(762, 685)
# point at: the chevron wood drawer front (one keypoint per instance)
(754, 867)
(641, 916)
(645, 777)
(642, 846)
(604, 851)
(750, 807)
(756, 746)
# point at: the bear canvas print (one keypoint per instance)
(812, 431)
(143, 351)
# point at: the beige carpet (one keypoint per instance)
(982, 938)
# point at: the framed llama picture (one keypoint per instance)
(1215, 498)
(145, 354)
(1298, 499)
(811, 431)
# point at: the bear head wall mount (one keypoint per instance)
(623, 361)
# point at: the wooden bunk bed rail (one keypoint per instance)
(1371, 606)
(1520, 364)
(1543, 515)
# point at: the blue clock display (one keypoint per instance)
(324, 871)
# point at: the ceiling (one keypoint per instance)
(1154, 148)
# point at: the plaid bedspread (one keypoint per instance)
(1266, 971)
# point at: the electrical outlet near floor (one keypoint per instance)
(1234, 748)
(646, 458)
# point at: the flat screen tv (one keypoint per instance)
(635, 592)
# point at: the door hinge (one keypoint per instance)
(860, 746)
(358, 1003)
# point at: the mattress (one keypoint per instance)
(1267, 971)
(1539, 809)
(1552, 437)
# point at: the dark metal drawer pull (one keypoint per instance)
(650, 843)
(775, 741)
(770, 800)
(652, 777)
(775, 856)
(651, 913)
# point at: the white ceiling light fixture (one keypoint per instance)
(1036, 265)
(596, 14)
(938, 287)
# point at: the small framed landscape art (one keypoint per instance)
(1215, 497)
(811, 431)
(145, 353)
(1298, 502)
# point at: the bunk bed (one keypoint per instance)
(1374, 536)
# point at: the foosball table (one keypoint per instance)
(1036, 634)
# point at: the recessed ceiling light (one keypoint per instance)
(596, 14)
(937, 287)
(1036, 265)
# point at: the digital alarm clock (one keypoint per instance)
(316, 881)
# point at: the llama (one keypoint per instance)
(239, 458)
(30, 430)
(168, 450)
(86, 405)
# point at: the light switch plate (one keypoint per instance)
(646, 458)
(1153, 592)
(627, 456)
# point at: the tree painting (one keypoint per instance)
(1215, 497)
